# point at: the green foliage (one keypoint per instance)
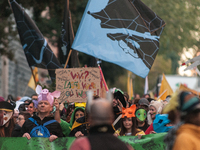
(114, 75)
(161, 65)
(5, 26)
(182, 19)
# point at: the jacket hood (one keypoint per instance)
(73, 114)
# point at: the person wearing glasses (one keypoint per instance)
(22, 117)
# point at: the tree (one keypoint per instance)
(161, 65)
(182, 23)
(5, 27)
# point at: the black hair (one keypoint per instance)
(96, 97)
(27, 100)
(69, 109)
(168, 96)
(136, 94)
(78, 109)
(120, 96)
(22, 107)
(136, 101)
(25, 114)
(146, 94)
(126, 95)
(31, 101)
(33, 95)
(150, 99)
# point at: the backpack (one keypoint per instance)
(40, 130)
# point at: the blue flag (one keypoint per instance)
(122, 32)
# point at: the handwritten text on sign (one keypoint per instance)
(75, 82)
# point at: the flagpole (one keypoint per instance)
(118, 118)
(69, 26)
(161, 94)
(146, 85)
(68, 58)
(104, 82)
(197, 71)
(33, 75)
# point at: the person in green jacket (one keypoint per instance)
(66, 127)
(77, 113)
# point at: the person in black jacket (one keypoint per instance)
(45, 106)
(80, 127)
(44, 115)
(22, 117)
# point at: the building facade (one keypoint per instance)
(15, 74)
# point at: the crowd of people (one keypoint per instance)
(98, 123)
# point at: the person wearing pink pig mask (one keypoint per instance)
(43, 124)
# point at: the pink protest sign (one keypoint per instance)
(75, 82)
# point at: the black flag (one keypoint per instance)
(67, 40)
(36, 49)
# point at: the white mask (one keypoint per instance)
(5, 116)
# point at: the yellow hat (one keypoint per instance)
(77, 104)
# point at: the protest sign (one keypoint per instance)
(75, 82)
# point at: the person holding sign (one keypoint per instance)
(118, 103)
(66, 127)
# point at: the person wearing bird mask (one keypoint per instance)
(6, 118)
(141, 117)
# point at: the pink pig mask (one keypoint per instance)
(44, 94)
